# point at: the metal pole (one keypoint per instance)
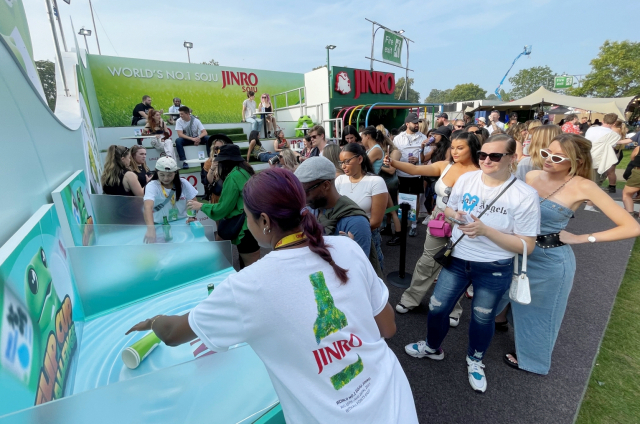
(373, 38)
(406, 78)
(85, 44)
(188, 55)
(57, 46)
(95, 30)
(64, 42)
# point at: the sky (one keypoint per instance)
(453, 42)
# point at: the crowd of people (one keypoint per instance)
(493, 190)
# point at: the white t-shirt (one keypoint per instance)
(594, 133)
(517, 211)
(317, 337)
(193, 123)
(408, 144)
(249, 108)
(153, 191)
(489, 127)
(362, 191)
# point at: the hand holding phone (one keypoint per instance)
(457, 221)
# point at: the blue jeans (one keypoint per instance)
(490, 282)
(255, 123)
(181, 142)
(264, 157)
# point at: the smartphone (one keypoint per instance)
(457, 221)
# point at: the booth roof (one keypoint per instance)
(594, 104)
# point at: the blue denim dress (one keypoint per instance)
(550, 273)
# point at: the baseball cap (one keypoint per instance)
(411, 117)
(442, 115)
(166, 164)
(482, 119)
(316, 168)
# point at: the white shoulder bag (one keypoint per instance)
(519, 291)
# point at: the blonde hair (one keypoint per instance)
(386, 141)
(290, 160)
(534, 124)
(133, 164)
(540, 139)
(578, 150)
(623, 128)
(515, 131)
(332, 152)
(113, 165)
(511, 148)
(423, 126)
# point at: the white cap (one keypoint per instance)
(166, 164)
(482, 119)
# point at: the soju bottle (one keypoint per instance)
(166, 229)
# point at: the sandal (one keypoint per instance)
(509, 361)
(502, 326)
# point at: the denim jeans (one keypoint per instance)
(264, 157)
(181, 142)
(490, 281)
(255, 123)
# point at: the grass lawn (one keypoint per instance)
(613, 394)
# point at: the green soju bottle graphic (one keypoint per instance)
(330, 319)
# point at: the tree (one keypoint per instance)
(414, 96)
(492, 97)
(212, 62)
(464, 92)
(526, 81)
(318, 67)
(438, 96)
(615, 72)
(506, 97)
(47, 72)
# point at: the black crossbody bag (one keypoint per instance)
(443, 256)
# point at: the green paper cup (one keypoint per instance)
(134, 354)
(191, 213)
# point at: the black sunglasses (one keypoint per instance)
(313, 187)
(493, 157)
(459, 126)
(476, 132)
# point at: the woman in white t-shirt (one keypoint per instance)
(484, 255)
(367, 190)
(318, 320)
(165, 195)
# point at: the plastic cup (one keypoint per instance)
(191, 213)
(137, 352)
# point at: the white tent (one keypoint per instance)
(602, 105)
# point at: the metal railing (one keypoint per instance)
(338, 128)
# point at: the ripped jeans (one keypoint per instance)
(490, 281)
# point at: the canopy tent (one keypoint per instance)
(602, 105)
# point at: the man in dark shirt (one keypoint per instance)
(140, 112)
(584, 125)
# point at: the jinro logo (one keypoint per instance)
(249, 82)
(343, 83)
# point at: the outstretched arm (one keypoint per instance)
(433, 170)
(173, 330)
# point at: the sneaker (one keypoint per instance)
(386, 231)
(454, 322)
(413, 232)
(401, 309)
(469, 293)
(477, 379)
(591, 209)
(421, 350)
(185, 165)
(426, 221)
(612, 189)
(395, 241)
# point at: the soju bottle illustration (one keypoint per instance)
(330, 319)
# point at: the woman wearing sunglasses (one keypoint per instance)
(270, 120)
(483, 255)
(464, 154)
(563, 185)
(540, 139)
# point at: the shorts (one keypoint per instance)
(248, 244)
(634, 179)
(411, 185)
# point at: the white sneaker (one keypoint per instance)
(401, 309)
(454, 322)
(591, 208)
(477, 379)
(421, 350)
(426, 221)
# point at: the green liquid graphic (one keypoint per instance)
(330, 319)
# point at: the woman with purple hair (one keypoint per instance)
(315, 313)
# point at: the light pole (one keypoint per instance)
(188, 46)
(94, 27)
(85, 32)
(329, 47)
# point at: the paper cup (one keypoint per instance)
(134, 354)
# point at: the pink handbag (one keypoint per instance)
(438, 227)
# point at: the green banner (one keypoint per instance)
(392, 47)
(562, 82)
(214, 93)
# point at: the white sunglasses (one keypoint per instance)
(554, 158)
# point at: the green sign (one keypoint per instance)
(214, 93)
(392, 47)
(563, 82)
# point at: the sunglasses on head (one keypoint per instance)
(493, 157)
(554, 158)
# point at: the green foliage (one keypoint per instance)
(414, 96)
(492, 97)
(464, 92)
(212, 62)
(318, 67)
(438, 96)
(506, 96)
(526, 81)
(615, 72)
(47, 72)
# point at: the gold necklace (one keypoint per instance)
(353, 187)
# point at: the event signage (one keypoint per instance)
(392, 48)
(214, 93)
(366, 82)
(563, 82)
